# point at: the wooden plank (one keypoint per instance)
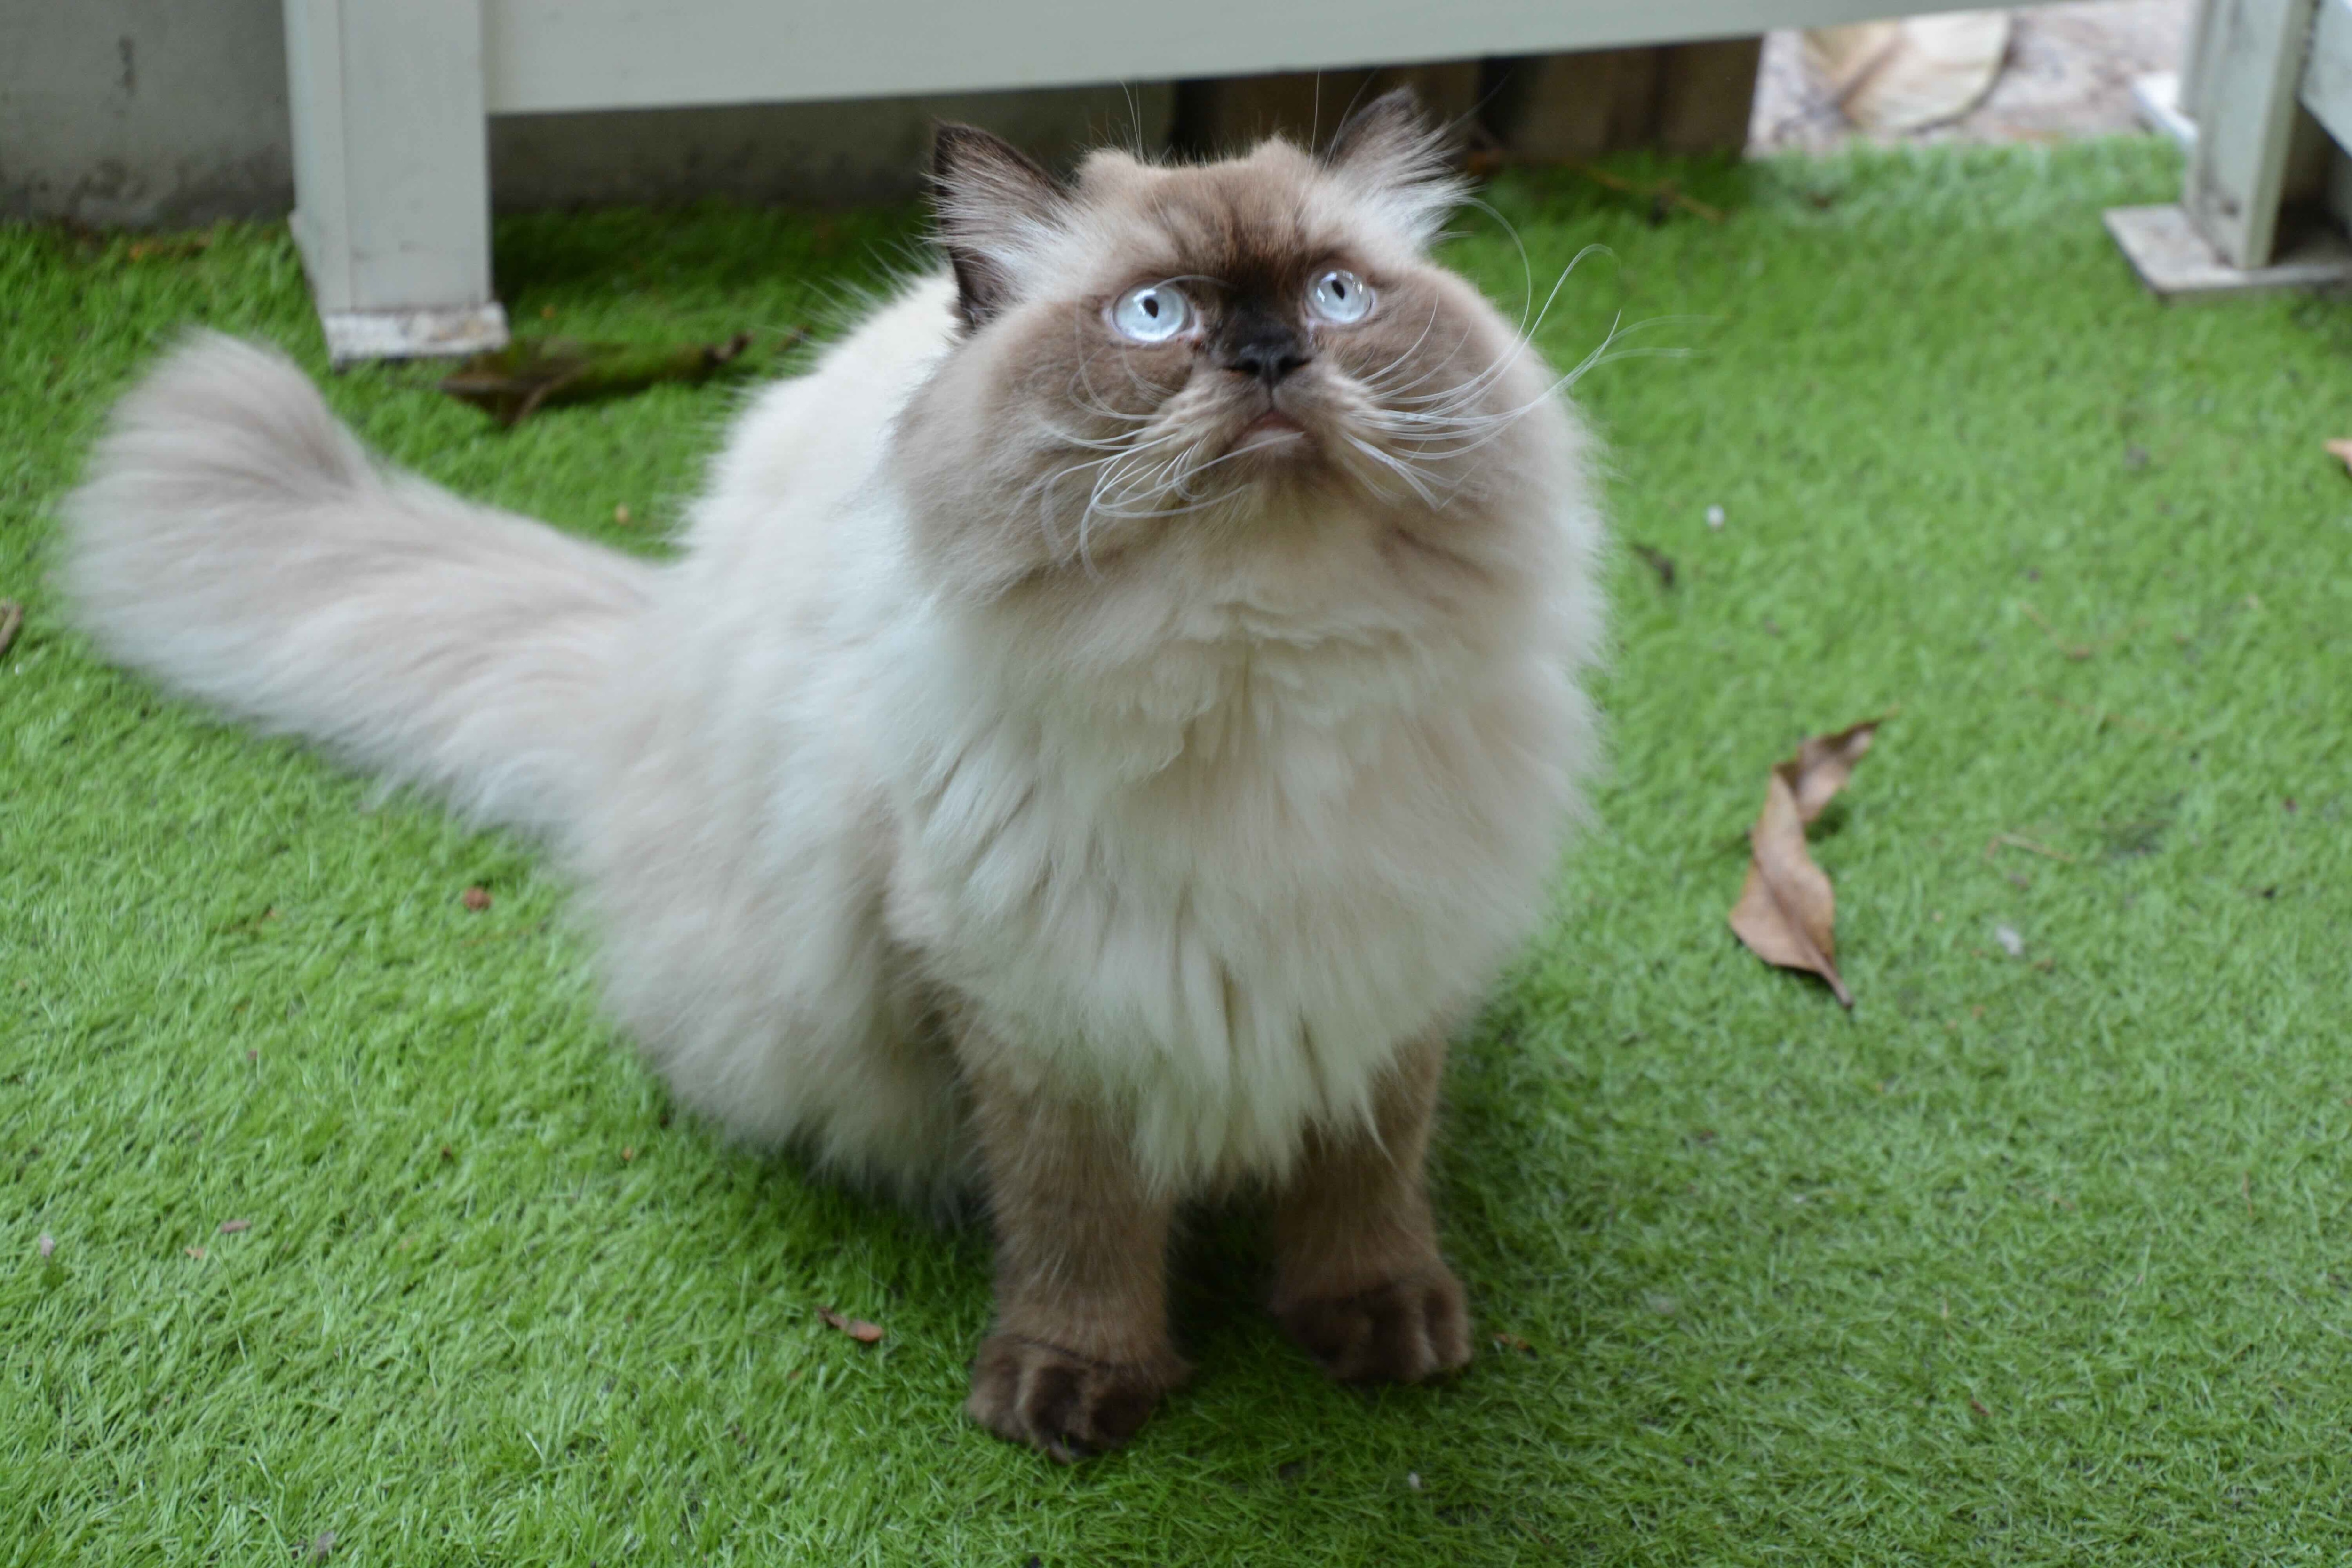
(549, 55)
(1706, 95)
(2327, 75)
(2249, 62)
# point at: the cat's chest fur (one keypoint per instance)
(1224, 884)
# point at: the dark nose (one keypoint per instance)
(1267, 350)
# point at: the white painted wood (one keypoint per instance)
(2327, 74)
(389, 95)
(391, 160)
(549, 55)
(2178, 263)
(354, 335)
(2250, 59)
(2191, 75)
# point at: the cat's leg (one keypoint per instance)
(1358, 1278)
(1080, 1354)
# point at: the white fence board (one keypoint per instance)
(552, 55)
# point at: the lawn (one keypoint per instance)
(334, 1220)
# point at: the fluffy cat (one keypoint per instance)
(1106, 723)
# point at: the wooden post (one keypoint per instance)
(2249, 57)
(392, 174)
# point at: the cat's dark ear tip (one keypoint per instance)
(1397, 109)
(952, 143)
(957, 149)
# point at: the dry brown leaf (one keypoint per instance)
(476, 899)
(1787, 912)
(2341, 450)
(231, 1226)
(857, 1329)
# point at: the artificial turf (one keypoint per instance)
(2032, 1259)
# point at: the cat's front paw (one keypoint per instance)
(1064, 1405)
(1408, 1329)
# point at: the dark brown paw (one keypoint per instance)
(1405, 1329)
(1061, 1404)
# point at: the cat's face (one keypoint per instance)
(1154, 352)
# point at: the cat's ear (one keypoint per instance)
(1397, 162)
(996, 207)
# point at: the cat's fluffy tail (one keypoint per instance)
(236, 542)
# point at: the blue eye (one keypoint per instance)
(1151, 314)
(1340, 298)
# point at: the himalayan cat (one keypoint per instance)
(1104, 727)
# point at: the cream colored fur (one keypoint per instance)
(1202, 823)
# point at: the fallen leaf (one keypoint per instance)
(476, 899)
(513, 383)
(1787, 910)
(621, 514)
(322, 1545)
(1659, 561)
(231, 1226)
(196, 1252)
(12, 620)
(628, 1152)
(1513, 1342)
(2342, 451)
(857, 1329)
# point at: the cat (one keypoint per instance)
(1104, 727)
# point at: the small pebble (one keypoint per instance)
(1715, 517)
(1413, 1479)
(46, 1245)
(2010, 943)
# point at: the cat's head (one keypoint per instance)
(1151, 354)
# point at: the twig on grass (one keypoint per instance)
(2000, 841)
(1661, 193)
(2104, 717)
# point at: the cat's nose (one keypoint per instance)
(1266, 356)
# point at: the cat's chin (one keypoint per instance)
(1273, 431)
(1274, 447)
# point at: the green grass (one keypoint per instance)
(2038, 1259)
